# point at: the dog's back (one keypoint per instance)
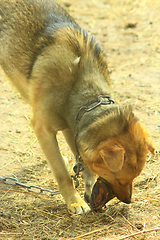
(26, 27)
(36, 34)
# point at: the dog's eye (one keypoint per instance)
(121, 184)
(135, 168)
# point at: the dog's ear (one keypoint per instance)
(113, 157)
(151, 146)
(148, 139)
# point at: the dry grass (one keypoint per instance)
(38, 216)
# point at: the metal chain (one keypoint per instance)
(77, 169)
(31, 188)
(101, 100)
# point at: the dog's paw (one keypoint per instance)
(77, 206)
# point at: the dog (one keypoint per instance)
(62, 73)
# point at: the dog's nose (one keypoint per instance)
(127, 200)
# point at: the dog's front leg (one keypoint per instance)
(49, 145)
(88, 176)
(90, 179)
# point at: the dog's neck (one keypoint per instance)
(101, 100)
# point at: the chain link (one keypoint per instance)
(101, 100)
(31, 188)
(77, 169)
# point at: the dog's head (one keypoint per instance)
(121, 156)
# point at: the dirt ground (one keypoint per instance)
(129, 33)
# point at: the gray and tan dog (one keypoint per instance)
(58, 68)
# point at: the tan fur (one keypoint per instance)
(58, 69)
(120, 157)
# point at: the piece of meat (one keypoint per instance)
(101, 194)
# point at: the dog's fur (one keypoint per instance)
(58, 68)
